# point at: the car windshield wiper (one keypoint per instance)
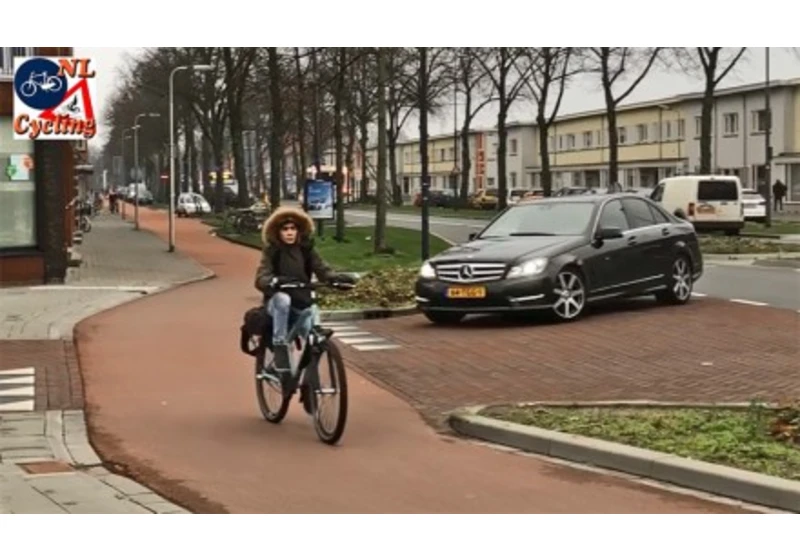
(531, 234)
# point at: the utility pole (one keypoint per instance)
(768, 146)
(422, 94)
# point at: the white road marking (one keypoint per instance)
(372, 347)
(19, 397)
(750, 302)
(697, 294)
(348, 335)
(362, 340)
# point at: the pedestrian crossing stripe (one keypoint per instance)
(17, 390)
(357, 338)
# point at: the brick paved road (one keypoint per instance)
(708, 351)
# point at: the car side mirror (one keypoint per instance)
(608, 233)
(472, 236)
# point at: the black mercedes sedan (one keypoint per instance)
(561, 254)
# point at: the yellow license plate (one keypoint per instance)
(706, 209)
(473, 292)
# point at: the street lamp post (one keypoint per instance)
(196, 68)
(768, 147)
(124, 173)
(137, 173)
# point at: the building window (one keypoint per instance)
(576, 179)
(641, 132)
(452, 154)
(441, 154)
(551, 143)
(513, 179)
(570, 141)
(698, 126)
(668, 130)
(17, 190)
(513, 146)
(681, 129)
(622, 136)
(630, 178)
(490, 181)
(731, 123)
(587, 139)
(560, 142)
(600, 141)
(760, 121)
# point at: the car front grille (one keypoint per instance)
(470, 273)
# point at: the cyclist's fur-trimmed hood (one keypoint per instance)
(270, 233)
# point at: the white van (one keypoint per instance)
(710, 203)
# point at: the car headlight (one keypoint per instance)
(427, 271)
(528, 268)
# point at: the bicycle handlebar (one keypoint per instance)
(315, 285)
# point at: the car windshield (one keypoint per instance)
(544, 218)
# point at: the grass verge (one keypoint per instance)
(778, 228)
(716, 245)
(473, 213)
(757, 439)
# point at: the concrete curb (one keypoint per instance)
(724, 481)
(366, 314)
(724, 257)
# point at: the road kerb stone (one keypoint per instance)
(716, 479)
(54, 431)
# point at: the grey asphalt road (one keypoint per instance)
(748, 285)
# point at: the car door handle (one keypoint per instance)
(665, 231)
(632, 240)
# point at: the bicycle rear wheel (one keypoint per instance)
(272, 400)
(329, 395)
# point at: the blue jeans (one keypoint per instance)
(284, 315)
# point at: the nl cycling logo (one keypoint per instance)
(53, 98)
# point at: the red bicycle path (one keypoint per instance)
(170, 401)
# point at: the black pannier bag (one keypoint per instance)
(256, 331)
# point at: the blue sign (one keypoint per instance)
(319, 199)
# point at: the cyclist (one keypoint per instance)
(289, 256)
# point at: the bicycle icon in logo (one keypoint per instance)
(47, 83)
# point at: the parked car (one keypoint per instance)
(516, 195)
(710, 203)
(560, 254)
(484, 199)
(192, 204)
(755, 206)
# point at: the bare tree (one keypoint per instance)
(400, 105)
(276, 128)
(714, 63)
(612, 64)
(338, 107)
(550, 68)
(380, 207)
(237, 69)
(470, 79)
(500, 64)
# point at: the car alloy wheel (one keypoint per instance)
(571, 295)
(681, 279)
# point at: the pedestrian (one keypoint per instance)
(779, 193)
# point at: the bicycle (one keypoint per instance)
(47, 83)
(304, 376)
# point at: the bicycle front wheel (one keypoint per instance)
(329, 401)
(272, 400)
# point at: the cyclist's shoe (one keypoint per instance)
(281, 361)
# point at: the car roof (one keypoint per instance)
(594, 198)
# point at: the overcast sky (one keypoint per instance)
(584, 94)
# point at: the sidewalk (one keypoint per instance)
(47, 464)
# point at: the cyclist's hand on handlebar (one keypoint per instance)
(281, 280)
(344, 278)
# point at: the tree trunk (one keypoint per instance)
(544, 153)
(466, 160)
(502, 135)
(380, 206)
(611, 116)
(397, 195)
(262, 176)
(349, 158)
(219, 163)
(276, 115)
(339, 142)
(363, 145)
(422, 97)
(205, 164)
(706, 125)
